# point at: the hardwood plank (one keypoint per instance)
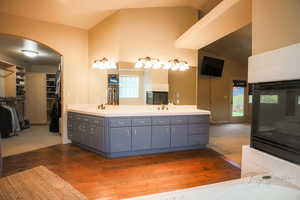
(97, 177)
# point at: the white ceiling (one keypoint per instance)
(87, 13)
(236, 46)
(11, 46)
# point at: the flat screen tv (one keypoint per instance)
(212, 66)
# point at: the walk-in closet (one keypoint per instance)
(30, 95)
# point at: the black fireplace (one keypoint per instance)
(276, 119)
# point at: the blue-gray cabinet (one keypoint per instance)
(179, 136)
(126, 136)
(161, 137)
(141, 138)
(120, 139)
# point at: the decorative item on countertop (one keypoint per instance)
(104, 64)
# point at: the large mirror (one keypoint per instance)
(131, 86)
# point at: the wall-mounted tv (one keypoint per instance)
(212, 66)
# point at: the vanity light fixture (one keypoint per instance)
(148, 63)
(30, 53)
(176, 64)
(104, 64)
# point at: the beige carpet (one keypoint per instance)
(36, 137)
(228, 140)
(37, 184)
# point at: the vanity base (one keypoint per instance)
(138, 153)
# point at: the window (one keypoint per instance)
(129, 86)
(238, 102)
(250, 98)
(269, 99)
(298, 100)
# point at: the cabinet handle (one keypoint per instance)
(134, 132)
(128, 133)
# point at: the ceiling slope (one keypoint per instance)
(225, 18)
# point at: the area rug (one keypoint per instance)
(37, 184)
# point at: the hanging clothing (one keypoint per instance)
(6, 122)
(15, 120)
(55, 115)
(57, 82)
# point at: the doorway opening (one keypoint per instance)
(238, 98)
(30, 95)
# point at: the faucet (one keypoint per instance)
(162, 107)
(101, 107)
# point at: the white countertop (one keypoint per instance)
(141, 110)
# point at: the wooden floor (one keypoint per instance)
(99, 178)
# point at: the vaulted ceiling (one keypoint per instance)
(236, 46)
(87, 13)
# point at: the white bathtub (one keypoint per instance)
(253, 188)
(258, 192)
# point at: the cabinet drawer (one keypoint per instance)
(141, 121)
(120, 122)
(198, 129)
(198, 140)
(199, 119)
(160, 120)
(179, 120)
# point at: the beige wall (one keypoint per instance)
(71, 42)
(2, 83)
(153, 32)
(275, 24)
(215, 93)
(134, 33)
(103, 42)
(183, 84)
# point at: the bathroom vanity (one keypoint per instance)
(133, 130)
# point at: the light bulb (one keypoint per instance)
(30, 53)
(175, 67)
(167, 66)
(101, 65)
(156, 64)
(138, 64)
(113, 65)
(148, 64)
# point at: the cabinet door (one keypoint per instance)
(70, 126)
(77, 127)
(120, 139)
(179, 136)
(161, 137)
(141, 138)
(94, 137)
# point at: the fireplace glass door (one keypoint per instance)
(276, 117)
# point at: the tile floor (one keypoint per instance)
(228, 140)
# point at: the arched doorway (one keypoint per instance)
(30, 88)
